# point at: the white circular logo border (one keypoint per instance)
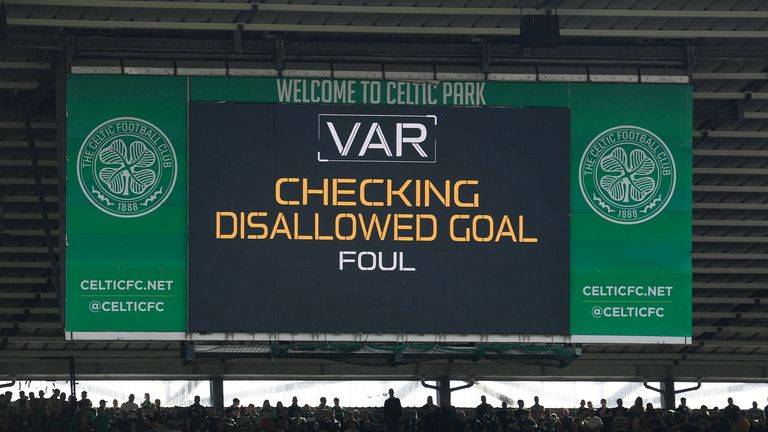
(661, 207)
(148, 211)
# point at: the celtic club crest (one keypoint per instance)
(627, 175)
(127, 167)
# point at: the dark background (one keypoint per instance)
(520, 156)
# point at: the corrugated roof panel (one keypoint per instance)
(340, 19)
(263, 17)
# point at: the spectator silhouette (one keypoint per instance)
(393, 411)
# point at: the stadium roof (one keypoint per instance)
(721, 46)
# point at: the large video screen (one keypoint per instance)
(378, 219)
(277, 208)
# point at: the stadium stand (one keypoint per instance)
(27, 413)
(719, 45)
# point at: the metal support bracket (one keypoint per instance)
(41, 200)
(72, 378)
(469, 384)
(429, 386)
(696, 387)
(444, 389)
(187, 352)
(487, 57)
(279, 54)
(237, 38)
(658, 390)
(690, 60)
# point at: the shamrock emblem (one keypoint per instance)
(632, 181)
(129, 170)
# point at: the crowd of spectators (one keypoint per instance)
(57, 413)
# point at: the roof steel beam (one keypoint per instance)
(20, 125)
(728, 188)
(733, 152)
(755, 115)
(210, 26)
(494, 11)
(731, 171)
(22, 144)
(730, 329)
(25, 233)
(29, 325)
(730, 239)
(104, 24)
(401, 10)
(21, 199)
(27, 295)
(26, 249)
(28, 216)
(15, 85)
(197, 43)
(737, 368)
(730, 95)
(310, 28)
(587, 356)
(730, 270)
(437, 30)
(730, 222)
(666, 34)
(106, 354)
(729, 206)
(5, 181)
(24, 65)
(26, 163)
(24, 265)
(32, 338)
(730, 75)
(731, 343)
(729, 256)
(726, 300)
(137, 4)
(731, 315)
(27, 280)
(29, 310)
(731, 285)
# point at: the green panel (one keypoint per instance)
(126, 204)
(653, 252)
(377, 92)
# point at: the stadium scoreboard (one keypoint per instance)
(261, 208)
